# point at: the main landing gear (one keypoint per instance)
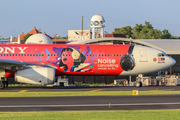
(3, 83)
(139, 84)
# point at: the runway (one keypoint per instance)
(90, 88)
(90, 103)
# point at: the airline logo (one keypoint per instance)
(154, 59)
(161, 60)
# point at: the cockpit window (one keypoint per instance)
(162, 54)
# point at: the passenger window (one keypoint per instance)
(30, 54)
(117, 55)
(99, 55)
(24, 54)
(9, 54)
(114, 55)
(16, 54)
(93, 54)
(1, 54)
(42, 54)
(52, 54)
(4, 54)
(108, 54)
(105, 55)
(21, 54)
(102, 54)
(33, 54)
(90, 54)
(27, 54)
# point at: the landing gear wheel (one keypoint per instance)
(139, 84)
(1, 85)
(5, 84)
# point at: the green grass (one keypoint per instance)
(83, 93)
(25, 85)
(94, 115)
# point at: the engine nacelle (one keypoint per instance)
(41, 75)
(127, 62)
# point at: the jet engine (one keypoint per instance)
(36, 75)
(127, 62)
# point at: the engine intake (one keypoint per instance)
(127, 62)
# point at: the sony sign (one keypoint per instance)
(12, 49)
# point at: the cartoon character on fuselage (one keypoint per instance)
(70, 58)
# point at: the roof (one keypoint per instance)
(33, 31)
(169, 46)
(114, 35)
(59, 40)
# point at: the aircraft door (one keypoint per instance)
(143, 55)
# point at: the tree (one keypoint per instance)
(127, 31)
(146, 31)
(26, 37)
(175, 37)
(166, 34)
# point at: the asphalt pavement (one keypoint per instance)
(89, 103)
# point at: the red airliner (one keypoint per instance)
(41, 63)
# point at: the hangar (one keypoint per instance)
(169, 46)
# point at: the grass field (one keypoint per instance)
(83, 93)
(94, 115)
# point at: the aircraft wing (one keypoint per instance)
(16, 65)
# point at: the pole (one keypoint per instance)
(82, 29)
(130, 79)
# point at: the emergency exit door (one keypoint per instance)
(143, 55)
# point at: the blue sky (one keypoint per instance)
(59, 16)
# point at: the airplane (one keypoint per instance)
(42, 63)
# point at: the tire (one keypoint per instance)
(139, 84)
(1, 85)
(5, 84)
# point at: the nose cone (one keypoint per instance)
(171, 61)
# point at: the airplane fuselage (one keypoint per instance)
(90, 59)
